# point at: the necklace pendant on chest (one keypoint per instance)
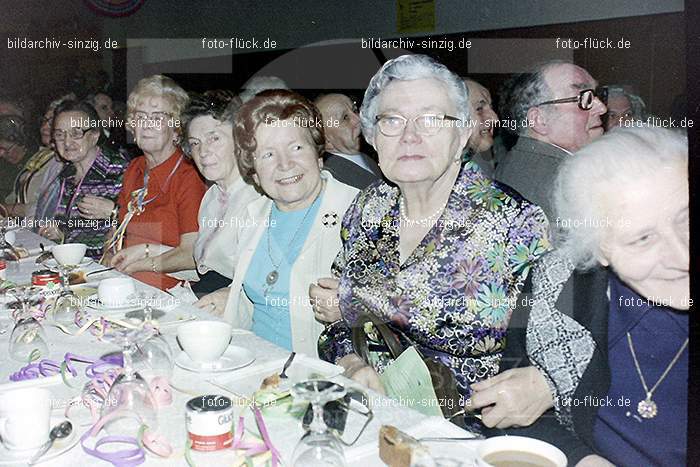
(647, 408)
(271, 277)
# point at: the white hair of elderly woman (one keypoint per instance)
(258, 84)
(616, 161)
(159, 86)
(408, 68)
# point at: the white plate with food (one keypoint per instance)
(246, 382)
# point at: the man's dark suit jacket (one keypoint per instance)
(530, 168)
(350, 173)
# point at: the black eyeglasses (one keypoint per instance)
(584, 99)
(74, 133)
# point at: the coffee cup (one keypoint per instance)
(25, 417)
(204, 341)
(69, 254)
(116, 291)
(519, 451)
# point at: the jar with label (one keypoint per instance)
(209, 421)
(47, 280)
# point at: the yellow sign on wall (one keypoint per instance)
(415, 15)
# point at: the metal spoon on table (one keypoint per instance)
(60, 431)
(44, 255)
(283, 375)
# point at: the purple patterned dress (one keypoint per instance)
(454, 295)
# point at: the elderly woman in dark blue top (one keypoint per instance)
(608, 325)
(440, 253)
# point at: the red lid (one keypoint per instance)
(3, 264)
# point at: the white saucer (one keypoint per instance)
(233, 358)
(101, 308)
(51, 263)
(60, 446)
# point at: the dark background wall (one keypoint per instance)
(165, 37)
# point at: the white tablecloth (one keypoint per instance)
(284, 432)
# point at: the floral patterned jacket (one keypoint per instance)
(454, 295)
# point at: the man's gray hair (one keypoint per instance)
(409, 68)
(523, 91)
(595, 174)
(637, 106)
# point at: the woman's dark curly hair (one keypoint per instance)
(85, 107)
(220, 104)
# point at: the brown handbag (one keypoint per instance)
(442, 377)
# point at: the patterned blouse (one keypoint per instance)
(104, 179)
(453, 296)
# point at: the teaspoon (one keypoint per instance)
(61, 430)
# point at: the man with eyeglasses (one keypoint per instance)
(558, 111)
(342, 128)
(623, 108)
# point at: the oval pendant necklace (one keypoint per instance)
(273, 276)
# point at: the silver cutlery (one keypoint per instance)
(44, 255)
(283, 374)
(98, 271)
(476, 437)
(62, 430)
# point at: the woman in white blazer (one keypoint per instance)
(290, 237)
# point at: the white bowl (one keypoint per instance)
(115, 291)
(522, 446)
(69, 254)
(204, 341)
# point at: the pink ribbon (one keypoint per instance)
(252, 448)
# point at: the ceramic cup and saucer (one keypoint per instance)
(25, 421)
(206, 348)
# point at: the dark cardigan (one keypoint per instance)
(590, 308)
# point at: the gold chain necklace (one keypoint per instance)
(647, 408)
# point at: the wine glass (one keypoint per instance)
(153, 358)
(319, 446)
(28, 340)
(130, 402)
(65, 308)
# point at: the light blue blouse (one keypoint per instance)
(285, 236)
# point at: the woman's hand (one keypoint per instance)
(51, 232)
(324, 299)
(95, 207)
(128, 260)
(215, 302)
(594, 461)
(357, 370)
(516, 397)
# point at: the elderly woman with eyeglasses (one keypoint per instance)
(162, 190)
(88, 185)
(290, 236)
(608, 323)
(440, 253)
(39, 172)
(208, 122)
